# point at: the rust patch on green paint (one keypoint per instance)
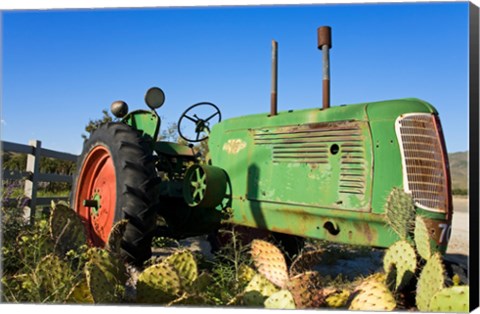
(234, 146)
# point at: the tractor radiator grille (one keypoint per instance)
(424, 160)
(321, 143)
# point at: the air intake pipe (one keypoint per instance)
(324, 34)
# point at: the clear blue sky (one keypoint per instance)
(62, 67)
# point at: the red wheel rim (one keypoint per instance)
(97, 183)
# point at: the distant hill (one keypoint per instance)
(459, 170)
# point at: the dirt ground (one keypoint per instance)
(458, 247)
(459, 240)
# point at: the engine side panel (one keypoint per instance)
(324, 165)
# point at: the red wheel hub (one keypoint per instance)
(96, 192)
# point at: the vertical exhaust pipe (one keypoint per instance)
(273, 94)
(324, 34)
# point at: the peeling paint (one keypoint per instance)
(234, 146)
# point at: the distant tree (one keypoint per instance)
(170, 134)
(14, 161)
(95, 124)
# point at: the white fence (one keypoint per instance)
(32, 175)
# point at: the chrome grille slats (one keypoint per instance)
(423, 160)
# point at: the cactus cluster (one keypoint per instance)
(402, 259)
(102, 281)
(100, 276)
(173, 281)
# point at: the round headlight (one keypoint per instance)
(154, 97)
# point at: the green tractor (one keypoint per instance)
(327, 173)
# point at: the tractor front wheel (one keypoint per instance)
(113, 182)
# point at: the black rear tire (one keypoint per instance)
(135, 173)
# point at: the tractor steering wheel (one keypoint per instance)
(202, 126)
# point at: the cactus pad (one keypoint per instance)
(338, 299)
(184, 264)
(430, 282)
(453, 299)
(306, 262)
(112, 266)
(101, 288)
(401, 255)
(261, 284)
(115, 237)
(200, 283)
(66, 229)
(158, 284)
(306, 290)
(245, 274)
(282, 299)
(372, 295)
(80, 293)
(270, 262)
(252, 298)
(53, 274)
(422, 238)
(400, 212)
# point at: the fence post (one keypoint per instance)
(31, 183)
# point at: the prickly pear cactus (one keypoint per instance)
(261, 284)
(373, 295)
(66, 228)
(306, 289)
(245, 274)
(422, 238)
(270, 262)
(401, 258)
(305, 262)
(453, 299)
(257, 291)
(200, 283)
(337, 299)
(115, 237)
(53, 276)
(252, 299)
(111, 265)
(106, 276)
(431, 281)
(80, 293)
(400, 212)
(101, 288)
(282, 299)
(158, 284)
(184, 264)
